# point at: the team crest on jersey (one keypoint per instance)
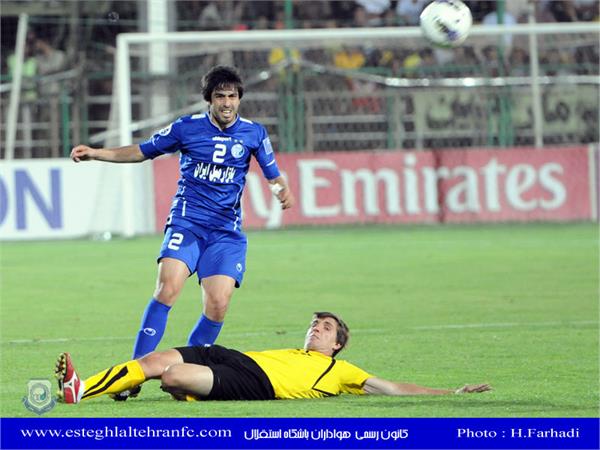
(237, 151)
(166, 130)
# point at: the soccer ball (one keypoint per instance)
(446, 23)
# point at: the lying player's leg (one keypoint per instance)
(187, 381)
(216, 373)
(115, 379)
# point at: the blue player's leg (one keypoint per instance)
(178, 257)
(172, 275)
(221, 269)
(216, 292)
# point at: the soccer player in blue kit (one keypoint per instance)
(203, 231)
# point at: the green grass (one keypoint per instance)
(515, 306)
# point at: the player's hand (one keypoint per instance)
(286, 198)
(82, 153)
(473, 388)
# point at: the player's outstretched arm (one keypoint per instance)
(379, 386)
(282, 191)
(126, 154)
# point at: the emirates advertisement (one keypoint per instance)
(447, 186)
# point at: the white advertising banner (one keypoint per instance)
(56, 198)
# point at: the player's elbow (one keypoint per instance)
(392, 389)
(379, 386)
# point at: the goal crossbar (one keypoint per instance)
(125, 40)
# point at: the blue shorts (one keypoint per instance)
(207, 252)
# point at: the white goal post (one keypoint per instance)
(271, 38)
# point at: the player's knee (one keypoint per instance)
(216, 308)
(166, 292)
(153, 364)
(217, 301)
(171, 379)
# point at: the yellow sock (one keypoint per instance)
(113, 380)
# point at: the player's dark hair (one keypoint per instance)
(220, 77)
(343, 332)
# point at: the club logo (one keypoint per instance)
(39, 399)
(166, 130)
(149, 331)
(237, 151)
(239, 267)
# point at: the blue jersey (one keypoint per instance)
(213, 164)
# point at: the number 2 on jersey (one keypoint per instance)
(219, 153)
(175, 241)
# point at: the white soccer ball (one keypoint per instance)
(446, 23)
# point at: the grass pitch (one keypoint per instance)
(515, 306)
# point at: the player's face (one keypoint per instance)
(224, 104)
(322, 336)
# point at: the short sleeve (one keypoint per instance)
(353, 379)
(162, 142)
(265, 156)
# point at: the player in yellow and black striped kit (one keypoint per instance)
(218, 373)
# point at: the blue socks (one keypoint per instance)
(154, 322)
(153, 327)
(205, 332)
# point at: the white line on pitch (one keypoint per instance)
(125, 338)
(357, 331)
(505, 325)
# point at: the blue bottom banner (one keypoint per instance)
(267, 433)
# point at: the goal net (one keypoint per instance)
(373, 88)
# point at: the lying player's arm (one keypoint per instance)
(379, 386)
(282, 191)
(126, 154)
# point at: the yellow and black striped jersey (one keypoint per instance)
(296, 373)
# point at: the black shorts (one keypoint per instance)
(236, 376)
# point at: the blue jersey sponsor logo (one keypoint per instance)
(221, 138)
(214, 173)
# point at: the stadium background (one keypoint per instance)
(388, 158)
